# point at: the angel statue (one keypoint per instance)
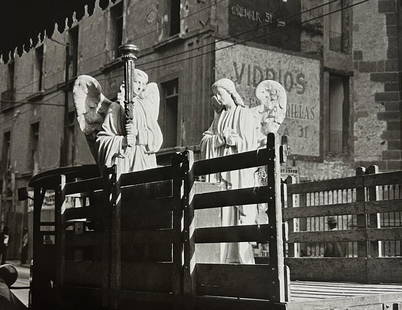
(232, 131)
(271, 111)
(269, 114)
(132, 146)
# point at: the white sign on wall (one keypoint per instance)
(300, 76)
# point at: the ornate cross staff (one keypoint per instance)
(128, 55)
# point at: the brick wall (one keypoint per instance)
(377, 86)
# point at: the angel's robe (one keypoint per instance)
(110, 144)
(240, 121)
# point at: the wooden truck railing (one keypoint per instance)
(133, 241)
(359, 204)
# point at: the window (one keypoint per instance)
(338, 114)
(8, 96)
(174, 17)
(70, 138)
(339, 25)
(11, 75)
(116, 15)
(38, 70)
(34, 160)
(73, 52)
(6, 151)
(169, 112)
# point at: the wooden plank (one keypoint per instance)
(149, 216)
(253, 281)
(361, 219)
(384, 234)
(189, 256)
(383, 178)
(368, 302)
(130, 299)
(347, 235)
(78, 213)
(384, 270)
(154, 277)
(84, 186)
(325, 210)
(155, 190)
(148, 206)
(324, 185)
(243, 196)
(83, 273)
(225, 303)
(177, 225)
(274, 212)
(149, 175)
(231, 162)
(336, 269)
(347, 208)
(89, 238)
(384, 206)
(258, 233)
(75, 296)
(160, 236)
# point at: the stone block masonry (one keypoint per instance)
(384, 71)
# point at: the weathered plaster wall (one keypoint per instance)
(377, 93)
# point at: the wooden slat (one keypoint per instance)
(327, 236)
(327, 269)
(231, 162)
(357, 269)
(148, 214)
(342, 209)
(319, 186)
(154, 277)
(231, 197)
(84, 273)
(325, 210)
(149, 236)
(149, 175)
(225, 303)
(83, 186)
(147, 206)
(254, 281)
(383, 178)
(384, 206)
(259, 233)
(78, 213)
(385, 234)
(347, 235)
(89, 238)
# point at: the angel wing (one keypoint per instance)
(151, 95)
(150, 102)
(91, 107)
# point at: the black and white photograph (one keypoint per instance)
(201, 155)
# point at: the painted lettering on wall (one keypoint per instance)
(300, 76)
(250, 14)
(254, 74)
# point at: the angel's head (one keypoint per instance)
(139, 82)
(225, 94)
(272, 97)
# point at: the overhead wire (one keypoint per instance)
(205, 45)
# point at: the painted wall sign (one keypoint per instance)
(273, 22)
(300, 76)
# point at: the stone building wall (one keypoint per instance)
(377, 84)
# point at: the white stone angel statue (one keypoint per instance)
(271, 111)
(132, 146)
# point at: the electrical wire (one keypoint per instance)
(201, 54)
